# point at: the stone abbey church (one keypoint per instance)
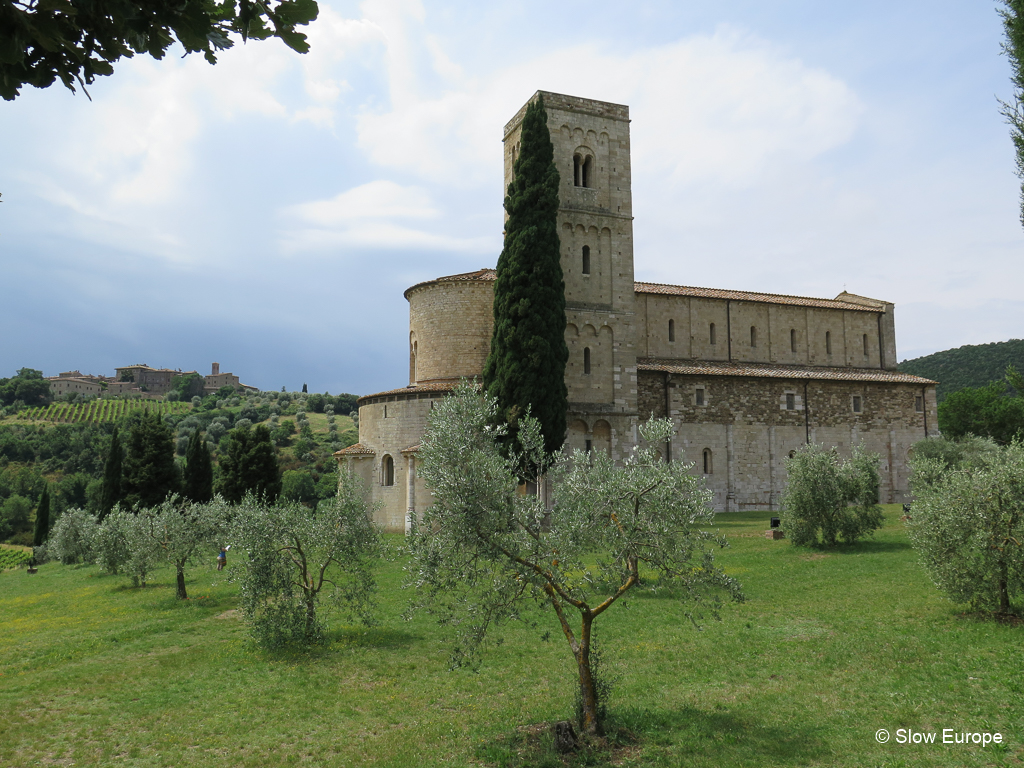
(745, 377)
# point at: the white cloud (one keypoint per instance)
(368, 216)
(715, 108)
(375, 200)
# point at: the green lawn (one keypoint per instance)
(827, 649)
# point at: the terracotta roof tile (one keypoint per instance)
(768, 298)
(439, 385)
(770, 371)
(486, 274)
(356, 450)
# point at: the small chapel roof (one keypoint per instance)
(356, 450)
(486, 274)
(769, 371)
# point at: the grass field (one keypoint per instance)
(827, 649)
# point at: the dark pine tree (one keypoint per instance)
(149, 470)
(42, 517)
(304, 389)
(197, 476)
(526, 364)
(248, 463)
(111, 493)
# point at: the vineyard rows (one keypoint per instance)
(97, 411)
(12, 558)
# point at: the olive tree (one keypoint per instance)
(484, 548)
(295, 557)
(123, 544)
(73, 536)
(967, 525)
(829, 499)
(181, 530)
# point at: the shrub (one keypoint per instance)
(828, 499)
(967, 525)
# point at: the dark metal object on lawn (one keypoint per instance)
(775, 522)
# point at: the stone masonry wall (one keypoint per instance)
(450, 325)
(748, 431)
(776, 327)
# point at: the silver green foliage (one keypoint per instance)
(485, 547)
(967, 525)
(113, 540)
(828, 499)
(181, 531)
(296, 562)
(72, 538)
(122, 546)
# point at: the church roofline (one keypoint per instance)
(757, 370)
(486, 275)
(606, 109)
(854, 303)
(767, 298)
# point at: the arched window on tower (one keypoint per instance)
(753, 336)
(792, 340)
(387, 470)
(865, 346)
(586, 259)
(586, 360)
(712, 333)
(671, 330)
(708, 459)
(828, 342)
(582, 170)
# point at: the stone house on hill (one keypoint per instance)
(745, 377)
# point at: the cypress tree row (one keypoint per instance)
(42, 517)
(111, 493)
(248, 463)
(197, 477)
(149, 470)
(526, 364)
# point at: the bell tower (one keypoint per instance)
(595, 229)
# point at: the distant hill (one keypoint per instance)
(970, 366)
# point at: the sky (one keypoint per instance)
(268, 212)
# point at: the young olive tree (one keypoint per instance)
(123, 544)
(295, 556)
(828, 499)
(73, 537)
(113, 540)
(484, 548)
(181, 530)
(967, 525)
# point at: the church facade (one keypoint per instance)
(745, 377)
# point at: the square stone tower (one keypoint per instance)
(595, 223)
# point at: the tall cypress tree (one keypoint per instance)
(526, 364)
(111, 493)
(149, 470)
(197, 477)
(42, 517)
(1013, 25)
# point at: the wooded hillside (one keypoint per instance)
(967, 366)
